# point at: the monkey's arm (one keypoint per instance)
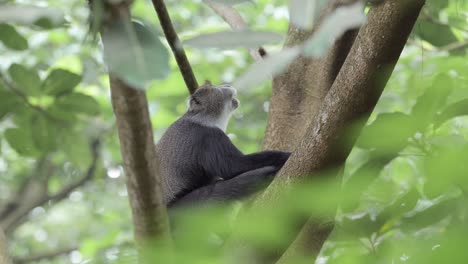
(226, 190)
(220, 158)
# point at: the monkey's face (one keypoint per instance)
(214, 101)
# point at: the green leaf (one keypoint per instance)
(134, 53)
(437, 35)
(43, 134)
(8, 103)
(60, 81)
(457, 109)
(21, 141)
(432, 100)
(234, 39)
(77, 149)
(11, 38)
(78, 103)
(27, 80)
(389, 133)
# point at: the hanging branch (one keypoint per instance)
(236, 22)
(176, 45)
(44, 256)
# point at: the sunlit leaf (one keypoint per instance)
(303, 13)
(27, 80)
(145, 57)
(11, 38)
(342, 19)
(23, 14)
(267, 68)
(60, 81)
(234, 39)
(457, 109)
(78, 103)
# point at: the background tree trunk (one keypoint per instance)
(4, 256)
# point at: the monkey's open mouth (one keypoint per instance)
(235, 103)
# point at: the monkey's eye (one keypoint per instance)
(195, 101)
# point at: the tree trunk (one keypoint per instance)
(4, 256)
(138, 151)
(352, 97)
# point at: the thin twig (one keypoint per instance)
(236, 22)
(176, 45)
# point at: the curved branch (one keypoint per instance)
(34, 194)
(176, 45)
(236, 22)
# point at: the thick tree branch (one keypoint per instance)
(236, 22)
(4, 256)
(352, 97)
(176, 45)
(298, 93)
(43, 256)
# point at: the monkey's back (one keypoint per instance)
(178, 153)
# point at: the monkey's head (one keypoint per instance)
(213, 104)
(213, 100)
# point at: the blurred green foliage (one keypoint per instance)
(405, 183)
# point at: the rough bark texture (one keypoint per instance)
(352, 97)
(138, 153)
(297, 94)
(4, 256)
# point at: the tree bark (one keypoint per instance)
(4, 256)
(298, 93)
(138, 152)
(352, 97)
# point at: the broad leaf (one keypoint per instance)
(266, 69)
(234, 39)
(29, 15)
(9, 102)
(432, 100)
(11, 38)
(21, 141)
(389, 133)
(340, 21)
(60, 81)
(27, 80)
(457, 109)
(134, 53)
(303, 13)
(77, 103)
(43, 133)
